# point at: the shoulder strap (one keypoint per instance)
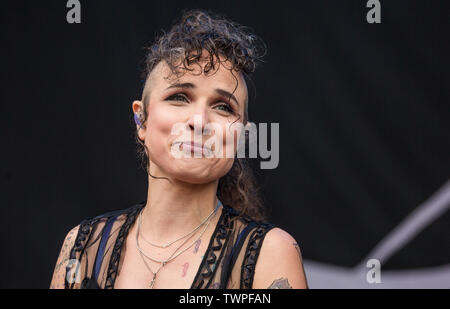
(231, 259)
(101, 249)
(252, 253)
(85, 233)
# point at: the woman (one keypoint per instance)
(201, 225)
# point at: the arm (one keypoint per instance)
(59, 273)
(279, 265)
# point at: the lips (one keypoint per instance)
(193, 146)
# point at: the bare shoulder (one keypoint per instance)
(280, 263)
(59, 272)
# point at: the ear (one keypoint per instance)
(138, 110)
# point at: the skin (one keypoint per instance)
(195, 179)
(281, 283)
(59, 272)
(179, 204)
(297, 247)
(185, 268)
(278, 245)
(197, 244)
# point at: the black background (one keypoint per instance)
(363, 112)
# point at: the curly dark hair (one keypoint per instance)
(224, 41)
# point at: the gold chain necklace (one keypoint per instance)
(172, 257)
(180, 238)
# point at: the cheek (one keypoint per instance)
(159, 127)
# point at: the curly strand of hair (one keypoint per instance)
(144, 158)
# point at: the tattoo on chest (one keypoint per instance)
(281, 283)
(197, 244)
(185, 268)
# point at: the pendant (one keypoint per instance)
(154, 275)
(153, 281)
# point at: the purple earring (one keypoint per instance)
(137, 119)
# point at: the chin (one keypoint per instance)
(196, 173)
(194, 178)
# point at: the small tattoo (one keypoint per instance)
(58, 277)
(58, 266)
(281, 283)
(64, 254)
(197, 244)
(298, 250)
(301, 259)
(216, 285)
(185, 268)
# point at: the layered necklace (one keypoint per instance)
(205, 222)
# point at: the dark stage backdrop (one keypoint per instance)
(364, 129)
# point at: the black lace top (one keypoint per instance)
(234, 247)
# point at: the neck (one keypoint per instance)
(176, 208)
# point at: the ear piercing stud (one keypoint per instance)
(137, 119)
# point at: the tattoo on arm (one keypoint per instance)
(301, 259)
(298, 250)
(64, 255)
(281, 283)
(59, 272)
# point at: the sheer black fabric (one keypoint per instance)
(229, 261)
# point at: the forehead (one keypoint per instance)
(220, 77)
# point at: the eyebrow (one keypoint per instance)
(183, 85)
(227, 94)
(191, 86)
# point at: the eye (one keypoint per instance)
(226, 107)
(177, 97)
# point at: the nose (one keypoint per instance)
(198, 120)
